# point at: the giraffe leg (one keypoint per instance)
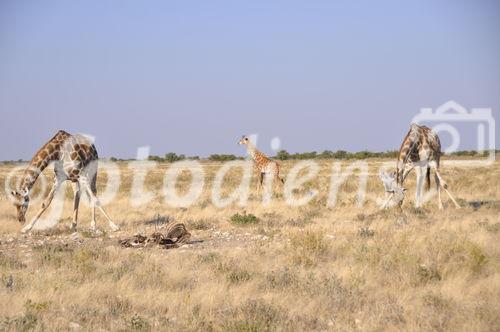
(92, 207)
(91, 191)
(45, 205)
(76, 203)
(261, 180)
(279, 178)
(278, 175)
(92, 220)
(438, 188)
(445, 187)
(387, 201)
(420, 183)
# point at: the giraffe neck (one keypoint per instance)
(400, 167)
(30, 175)
(47, 153)
(261, 161)
(252, 150)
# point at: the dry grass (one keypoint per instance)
(291, 268)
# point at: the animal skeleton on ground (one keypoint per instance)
(174, 236)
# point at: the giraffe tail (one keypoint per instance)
(428, 179)
(280, 178)
(278, 173)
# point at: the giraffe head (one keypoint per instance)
(391, 186)
(21, 201)
(389, 182)
(244, 140)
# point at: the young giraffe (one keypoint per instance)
(263, 164)
(421, 149)
(75, 159)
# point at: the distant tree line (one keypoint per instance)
(284, 155)
(470, 153)
(172, 157)
(224, 157)
(340, 154)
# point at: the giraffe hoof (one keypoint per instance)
(25, 229)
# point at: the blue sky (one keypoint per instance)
(193, 76)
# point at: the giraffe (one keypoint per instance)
(75, 159)
(421, 149)
(262, 163)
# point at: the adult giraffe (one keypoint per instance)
(75, 159)
(421, 149)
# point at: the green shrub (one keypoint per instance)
(340, 154)
(155, 158)
(139, 323)
(478, 258)
(282, 155)
(244, 219)
(173, 157)
(223, 157)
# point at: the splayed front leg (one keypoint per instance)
(45, 205)
(96, 203)
(445, 187)
(438, 188)
(387, 201)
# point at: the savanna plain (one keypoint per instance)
(262, 267)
